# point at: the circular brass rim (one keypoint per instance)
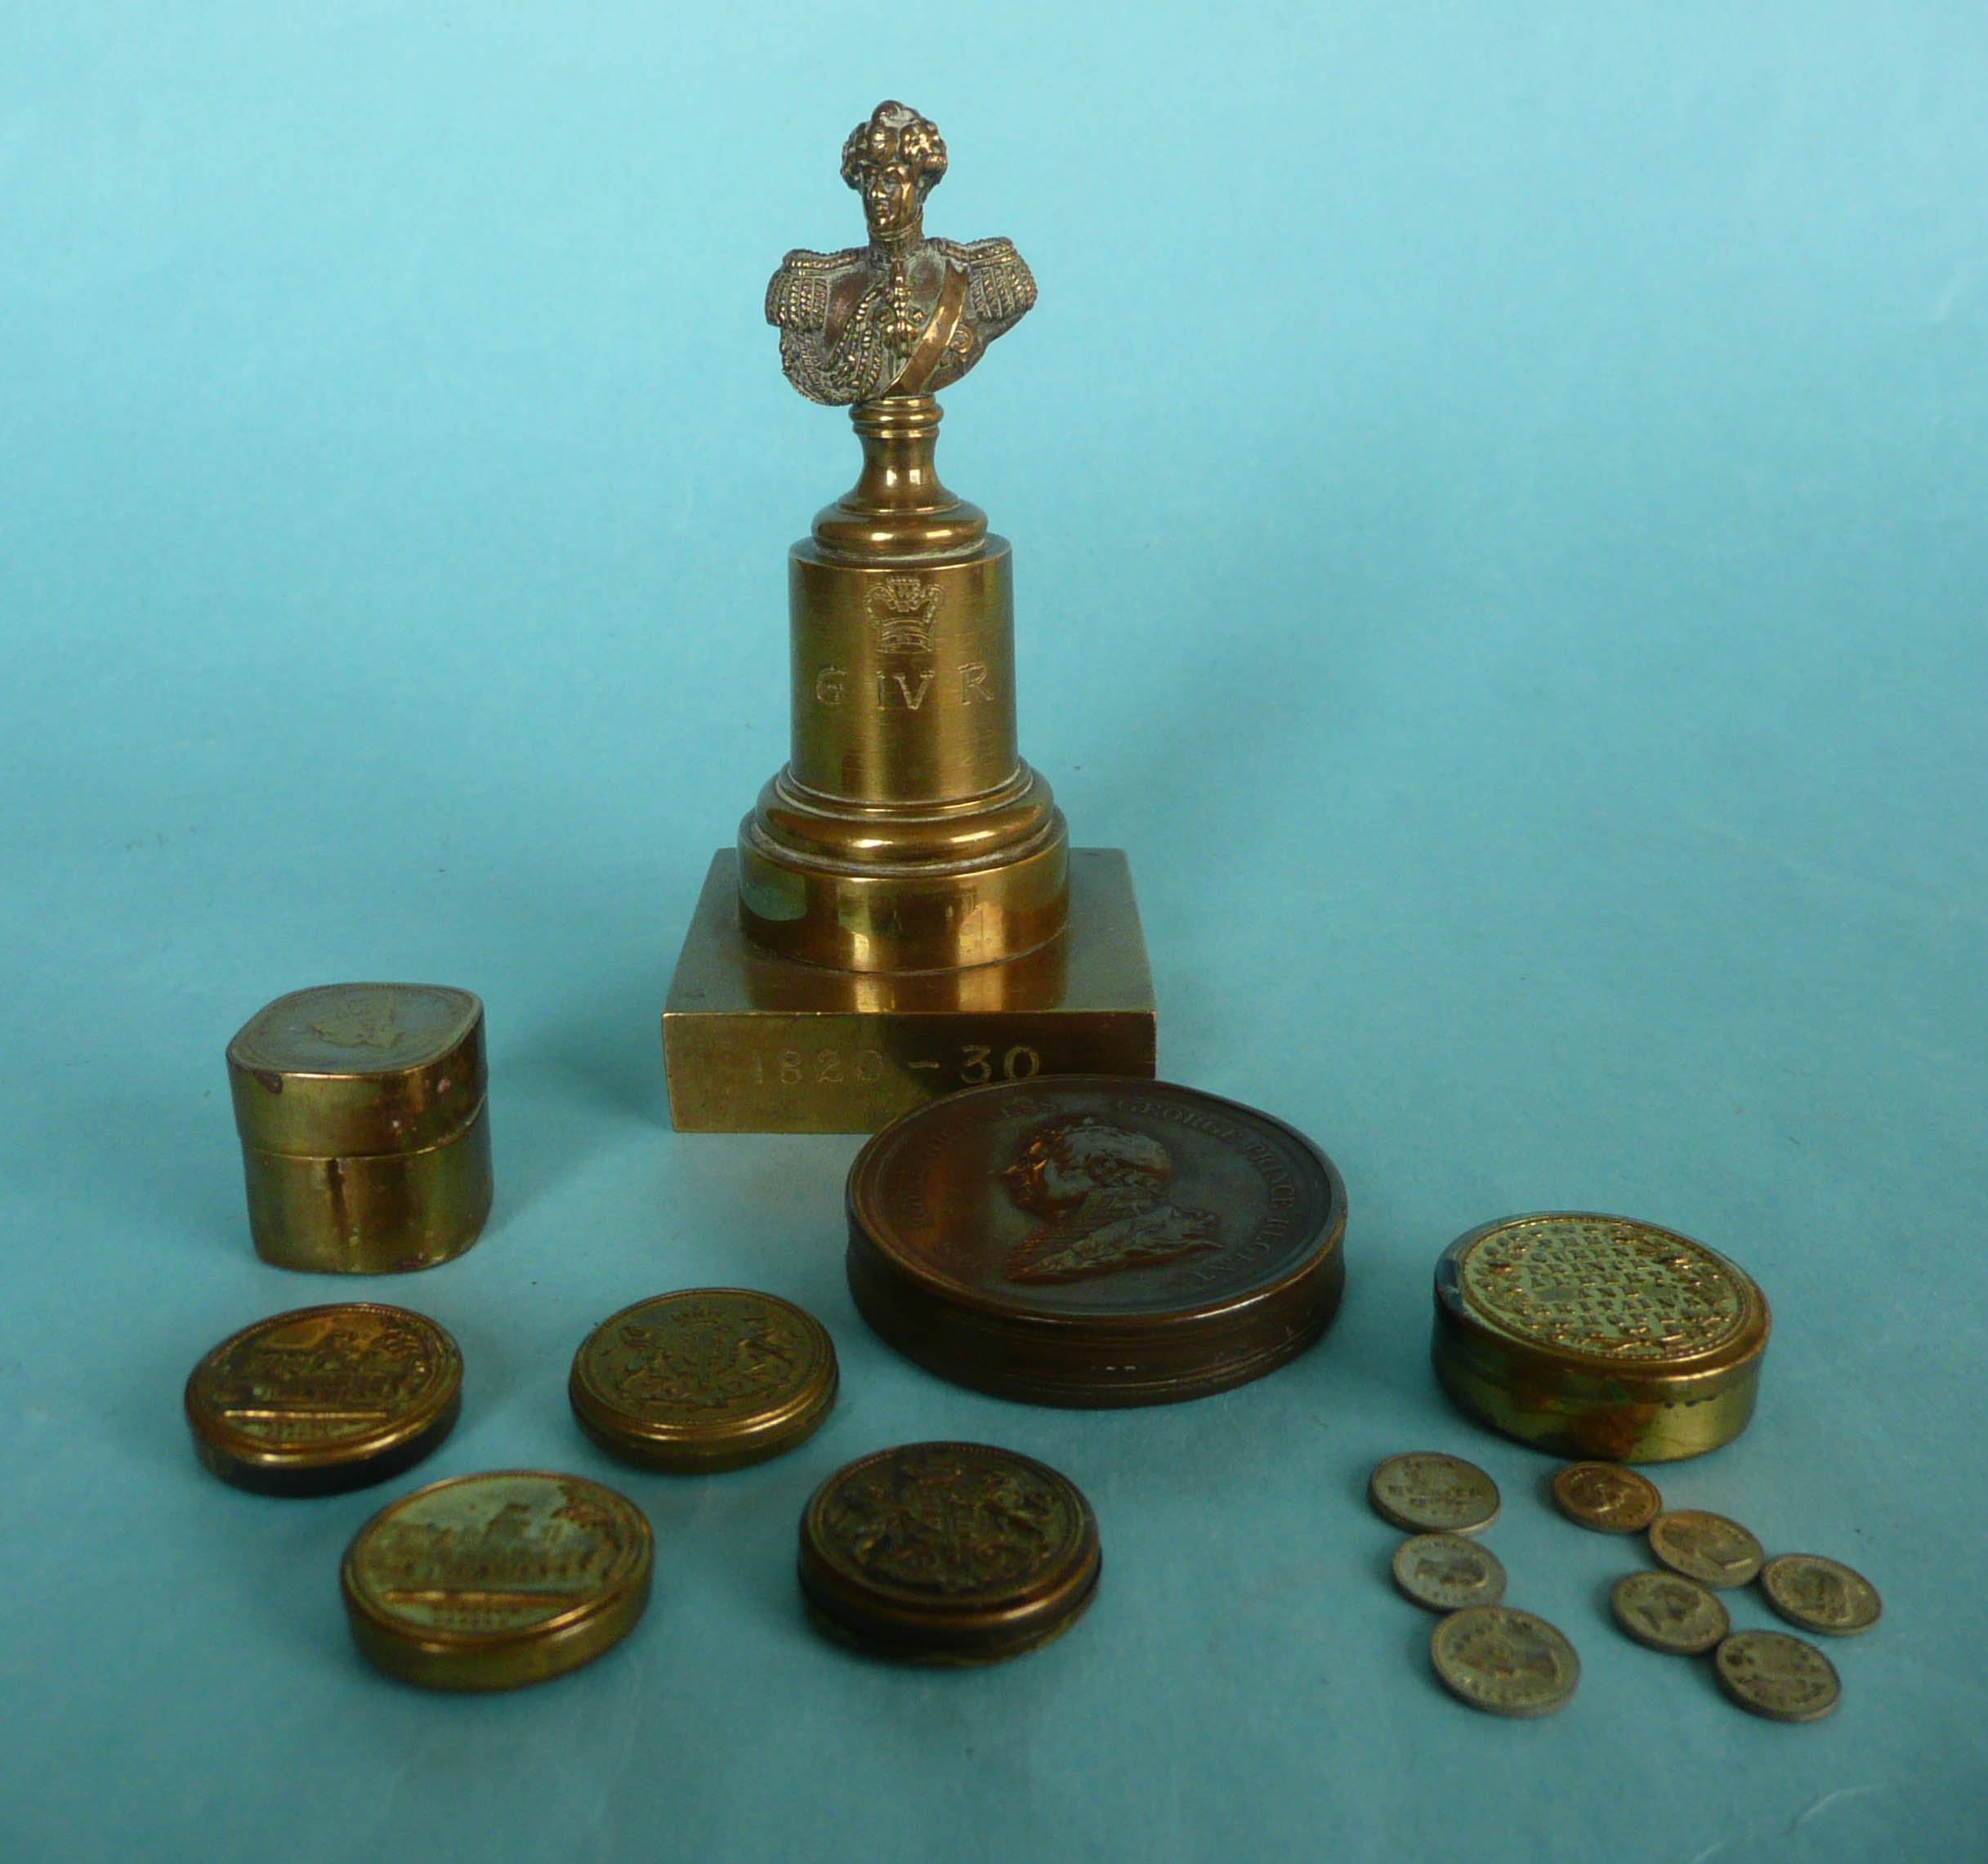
(465, 1661)
(1017, 1640)
(909, 1626)
(692, 1448)
(323, 1467)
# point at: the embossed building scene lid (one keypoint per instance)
(703, 1380)
(323, 1399)
(1589, 1335)
(494, 1580)
(948, 1554)
(1090, 1241)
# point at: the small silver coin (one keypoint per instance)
(1446, 1572)
(1768, 1672)
(1669, 1612)
(1706, 1547)
(1426, 1492)
(1506, 1662)
(1821, 1595)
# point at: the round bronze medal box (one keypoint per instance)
(323, 1399)
(365, 1140)
(703, 1380)
(494, 1580)
(950, 1554)
(1595, 1336)
(1091, 1241)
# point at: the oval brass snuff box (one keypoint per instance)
(1595, 1336)
(365, 1140)
(494, 1580)
(322, 1399)
(1092, 1240)
(949, 1554)
(703, 1380)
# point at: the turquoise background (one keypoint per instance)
(1498, 501)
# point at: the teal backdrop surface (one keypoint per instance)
(1497, 493)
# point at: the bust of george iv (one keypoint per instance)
(904, 314)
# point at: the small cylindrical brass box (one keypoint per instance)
(365, 1137)
(1594, 1336)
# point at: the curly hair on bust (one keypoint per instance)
(894, 128)
(1106, 1155)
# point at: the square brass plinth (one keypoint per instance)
(756, 1043)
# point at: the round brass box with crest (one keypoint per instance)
(1091, 1241)
(1589, 1335)
(322, 1399)
(949, 1553)
(703, 1380)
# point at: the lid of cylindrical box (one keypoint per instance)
(342, 1070)
(322, 1399)
(703, 1379)
(1093, 1240)
(494, 1580)
(1591, 1335)
(948, 1554)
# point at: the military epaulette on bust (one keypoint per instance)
(1000, 287)
(797, 294)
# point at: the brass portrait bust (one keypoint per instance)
(1100, 1194)
(904, 314)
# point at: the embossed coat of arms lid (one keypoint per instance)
(949, 1554)
(703, 1380)
(323, 1399)
(1595, 1336)
(1093, 1240)
(365, 1140)
(493, 1580)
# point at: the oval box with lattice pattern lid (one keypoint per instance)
(1589, 1335)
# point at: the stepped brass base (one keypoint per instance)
(758, 1044)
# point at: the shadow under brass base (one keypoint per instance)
(759, 1044)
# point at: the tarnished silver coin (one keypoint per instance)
(1669, 1612)
(1707, 1547)
(1821, 1595)
(1770, 1674)
(1428, 1492)
(1606, 1497)
(1446, 1572)
(1507, 1662)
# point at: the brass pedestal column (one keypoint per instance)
(905, 834)
(904, 914)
